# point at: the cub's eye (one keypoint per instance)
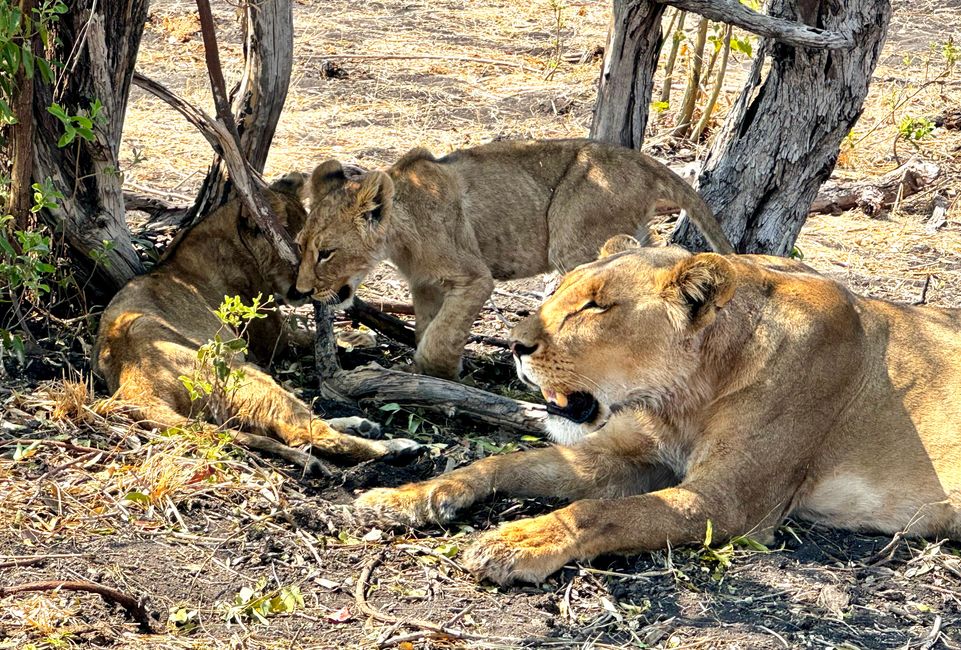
(324, 255)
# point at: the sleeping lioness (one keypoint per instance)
(151, 331)
(455, 224)
(686, 389)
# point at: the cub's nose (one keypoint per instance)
(293, 295)
(520, 349)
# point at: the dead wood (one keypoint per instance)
(399, 330)
(875, 194)
(160, 211)
(733, 12)
(134, 607)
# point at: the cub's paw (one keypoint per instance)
(401, 450)
(520, 551)
(357, 426)
(414, 504)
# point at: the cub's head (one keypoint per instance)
(345, 233)
(286, 204)
(622, 331)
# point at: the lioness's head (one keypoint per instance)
(345, 234)
(622, 331)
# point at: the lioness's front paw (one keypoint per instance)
(415, 504)
(356, 426)
(528, 550)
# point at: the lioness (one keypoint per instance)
(687, 389)
(453, 225)
(151, 331)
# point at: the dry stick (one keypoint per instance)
(677, 36)
(401, 331)
(247, 183)
(785, 31)
(429, 57)
(686, 115)
(135, 608)
(716, 91)
(360, 598)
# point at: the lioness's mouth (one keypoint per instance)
(579, 407)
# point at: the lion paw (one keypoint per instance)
(356, 426)
(413, 505)
(527, 551)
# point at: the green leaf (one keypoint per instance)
(393, 406)
(27, 56)
(44, 68)
(69, 134)
(137, 497)
(709, 534)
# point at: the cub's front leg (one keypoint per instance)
(441, 343)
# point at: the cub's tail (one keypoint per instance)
(676, 189)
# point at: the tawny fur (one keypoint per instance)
(733, 390)
(151, 331)
(455, 224)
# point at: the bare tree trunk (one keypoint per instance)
(686, 114)
(21, 143)
(782, 137)
(627, 79)
(98, 46)
(677, 35)
(259, 99)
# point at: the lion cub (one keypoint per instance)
(150, 333)
(453, 225)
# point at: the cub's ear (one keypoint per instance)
(327, 177)
(700, 285)
(291, 183)
(373, 197)
(618, 244)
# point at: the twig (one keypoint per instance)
(430, 57)
(134, 607)
(924, 291)
(432, 629)
(401, 331)
(19, 563)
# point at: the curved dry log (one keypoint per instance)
(785, 31)
(133, 606)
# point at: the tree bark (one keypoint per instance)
(96, 67)
(259, 99)
(627, 78)
(21, 143)
(782, 137)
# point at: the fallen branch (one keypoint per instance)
(134, 607)
(160, 211)
(379, 385)
(429, 57)
(874, 195)
(785, 31)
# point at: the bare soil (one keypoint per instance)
(185, 522)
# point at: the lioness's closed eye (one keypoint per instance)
(453, 225)
(732, 390)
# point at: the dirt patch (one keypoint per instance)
(190, 524)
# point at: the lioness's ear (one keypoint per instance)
(373, 197)
(700, 285)
(327, 177)
(618, 244)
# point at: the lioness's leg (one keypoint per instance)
(596, 468)
(259, 404)
(532, 549)
(442, 344)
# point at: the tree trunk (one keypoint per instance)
(96, 67)
(259, 99)
(781, 139)
(627, 78)
(21, 143)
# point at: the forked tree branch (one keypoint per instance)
(785, 31)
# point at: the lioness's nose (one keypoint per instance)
(520, 349)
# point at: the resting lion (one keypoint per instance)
(151, 331)
(732, 390)
(455, 224)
